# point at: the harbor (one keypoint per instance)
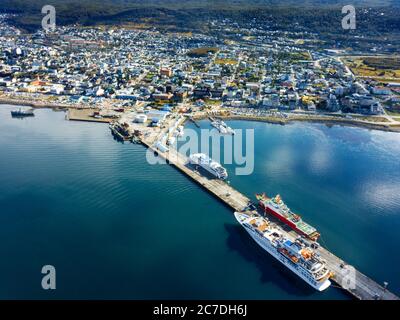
(360, 286)
(196, 206)
(199, 152)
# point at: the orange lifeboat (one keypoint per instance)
(306, 254)
(290, 256)
(294, 259)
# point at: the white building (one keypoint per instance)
(381, 91)
(140, 118)
(271, 101)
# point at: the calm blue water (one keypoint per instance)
(116, 227)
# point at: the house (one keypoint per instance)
(367, 104)
(38, 83)
(253, 86)
(271, 101)
(376, 108)
(201, 92)
(381, 91)
(57, 89)
(180, 94)
(157, 116)
(237, 103)
(100, 92)
(216, 93)
(311, 106)
(166, 72)
(332, 103)
(162, 97)
(140, 118)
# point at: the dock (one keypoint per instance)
(85, 115)
(362, 288)
(344, 275)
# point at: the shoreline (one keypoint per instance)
(224, 192)
(272, 120)
(365, 288)
(39, 105)
(332, 121)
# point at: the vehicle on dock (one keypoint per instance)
(297, 256)
(20, 113)
(160, 146)
(211, 166)
(280, 210)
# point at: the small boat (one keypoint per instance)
(222, 127)
(120, 131)
(22, 113)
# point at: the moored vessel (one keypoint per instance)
(222, 127)
(280, 210)
(120, 131)
(20, 113)
(296, 255)
(211, 166)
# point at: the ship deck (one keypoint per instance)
(306, 228)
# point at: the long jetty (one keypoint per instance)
(346, 277)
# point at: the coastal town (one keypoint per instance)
(111, 71)
(147, 83)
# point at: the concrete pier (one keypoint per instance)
(362, 288)
(85, 115)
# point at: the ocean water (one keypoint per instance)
(117, 227)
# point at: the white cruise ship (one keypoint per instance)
(209, 165)
(296, 256)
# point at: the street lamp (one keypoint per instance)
(385, 284)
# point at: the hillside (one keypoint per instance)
(318, 15)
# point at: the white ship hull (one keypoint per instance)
(267, 246)
(207, 164)
(209, 170)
